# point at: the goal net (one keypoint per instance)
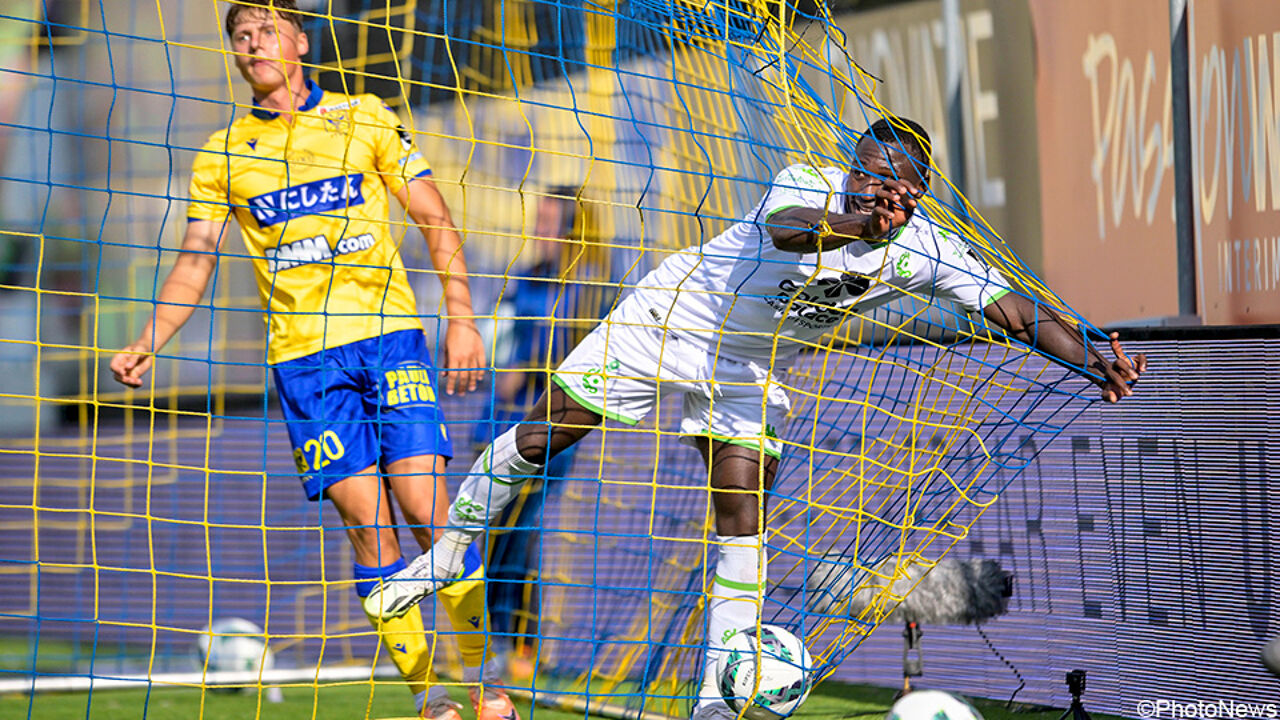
(575, 142)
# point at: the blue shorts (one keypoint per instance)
(366, 402)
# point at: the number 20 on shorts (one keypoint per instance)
(316, 453)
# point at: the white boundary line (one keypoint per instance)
(82, 683)
(288, 677)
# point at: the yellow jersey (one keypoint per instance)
(311, 200)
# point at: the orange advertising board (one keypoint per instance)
(1106, 156)
(1235, 135)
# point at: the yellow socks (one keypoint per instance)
(406, 641)
(404, 637)
(464, 603)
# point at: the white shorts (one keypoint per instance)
(629, 361)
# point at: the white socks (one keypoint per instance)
(733, 602)
(494, 481)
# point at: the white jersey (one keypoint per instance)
(737, 293)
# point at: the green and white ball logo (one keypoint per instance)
(764, 675)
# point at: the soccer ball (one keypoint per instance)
(932, 705)
(764, 676)
(233, 644)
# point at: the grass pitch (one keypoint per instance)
(353, 700)
(831, 701)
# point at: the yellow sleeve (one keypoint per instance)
(208, 191)
(396, 155)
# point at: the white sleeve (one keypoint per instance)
(798, 186)
(965, 278)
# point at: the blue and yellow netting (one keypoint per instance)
(130, 520)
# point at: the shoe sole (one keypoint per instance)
(396, 608)
(401, 605)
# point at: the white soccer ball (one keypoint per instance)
(764, 676)
(932, 705)
(234, 644)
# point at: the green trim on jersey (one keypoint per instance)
(889, 240)
(874, 245)
(785, 207)
(564, 385)
(740, 442)
(996, 297)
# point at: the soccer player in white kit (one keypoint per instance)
(713, 321)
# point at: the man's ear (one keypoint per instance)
(304, 44)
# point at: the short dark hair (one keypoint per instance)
(286, 9)
(902, 135)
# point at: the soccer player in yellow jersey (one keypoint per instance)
(306, 174)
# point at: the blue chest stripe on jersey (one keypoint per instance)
(317, 196)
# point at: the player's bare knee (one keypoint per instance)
(743, 521)
(738, 511)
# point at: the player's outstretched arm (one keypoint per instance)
(1039, 326)
(463, 360)
(182, 290)
(887, 205)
